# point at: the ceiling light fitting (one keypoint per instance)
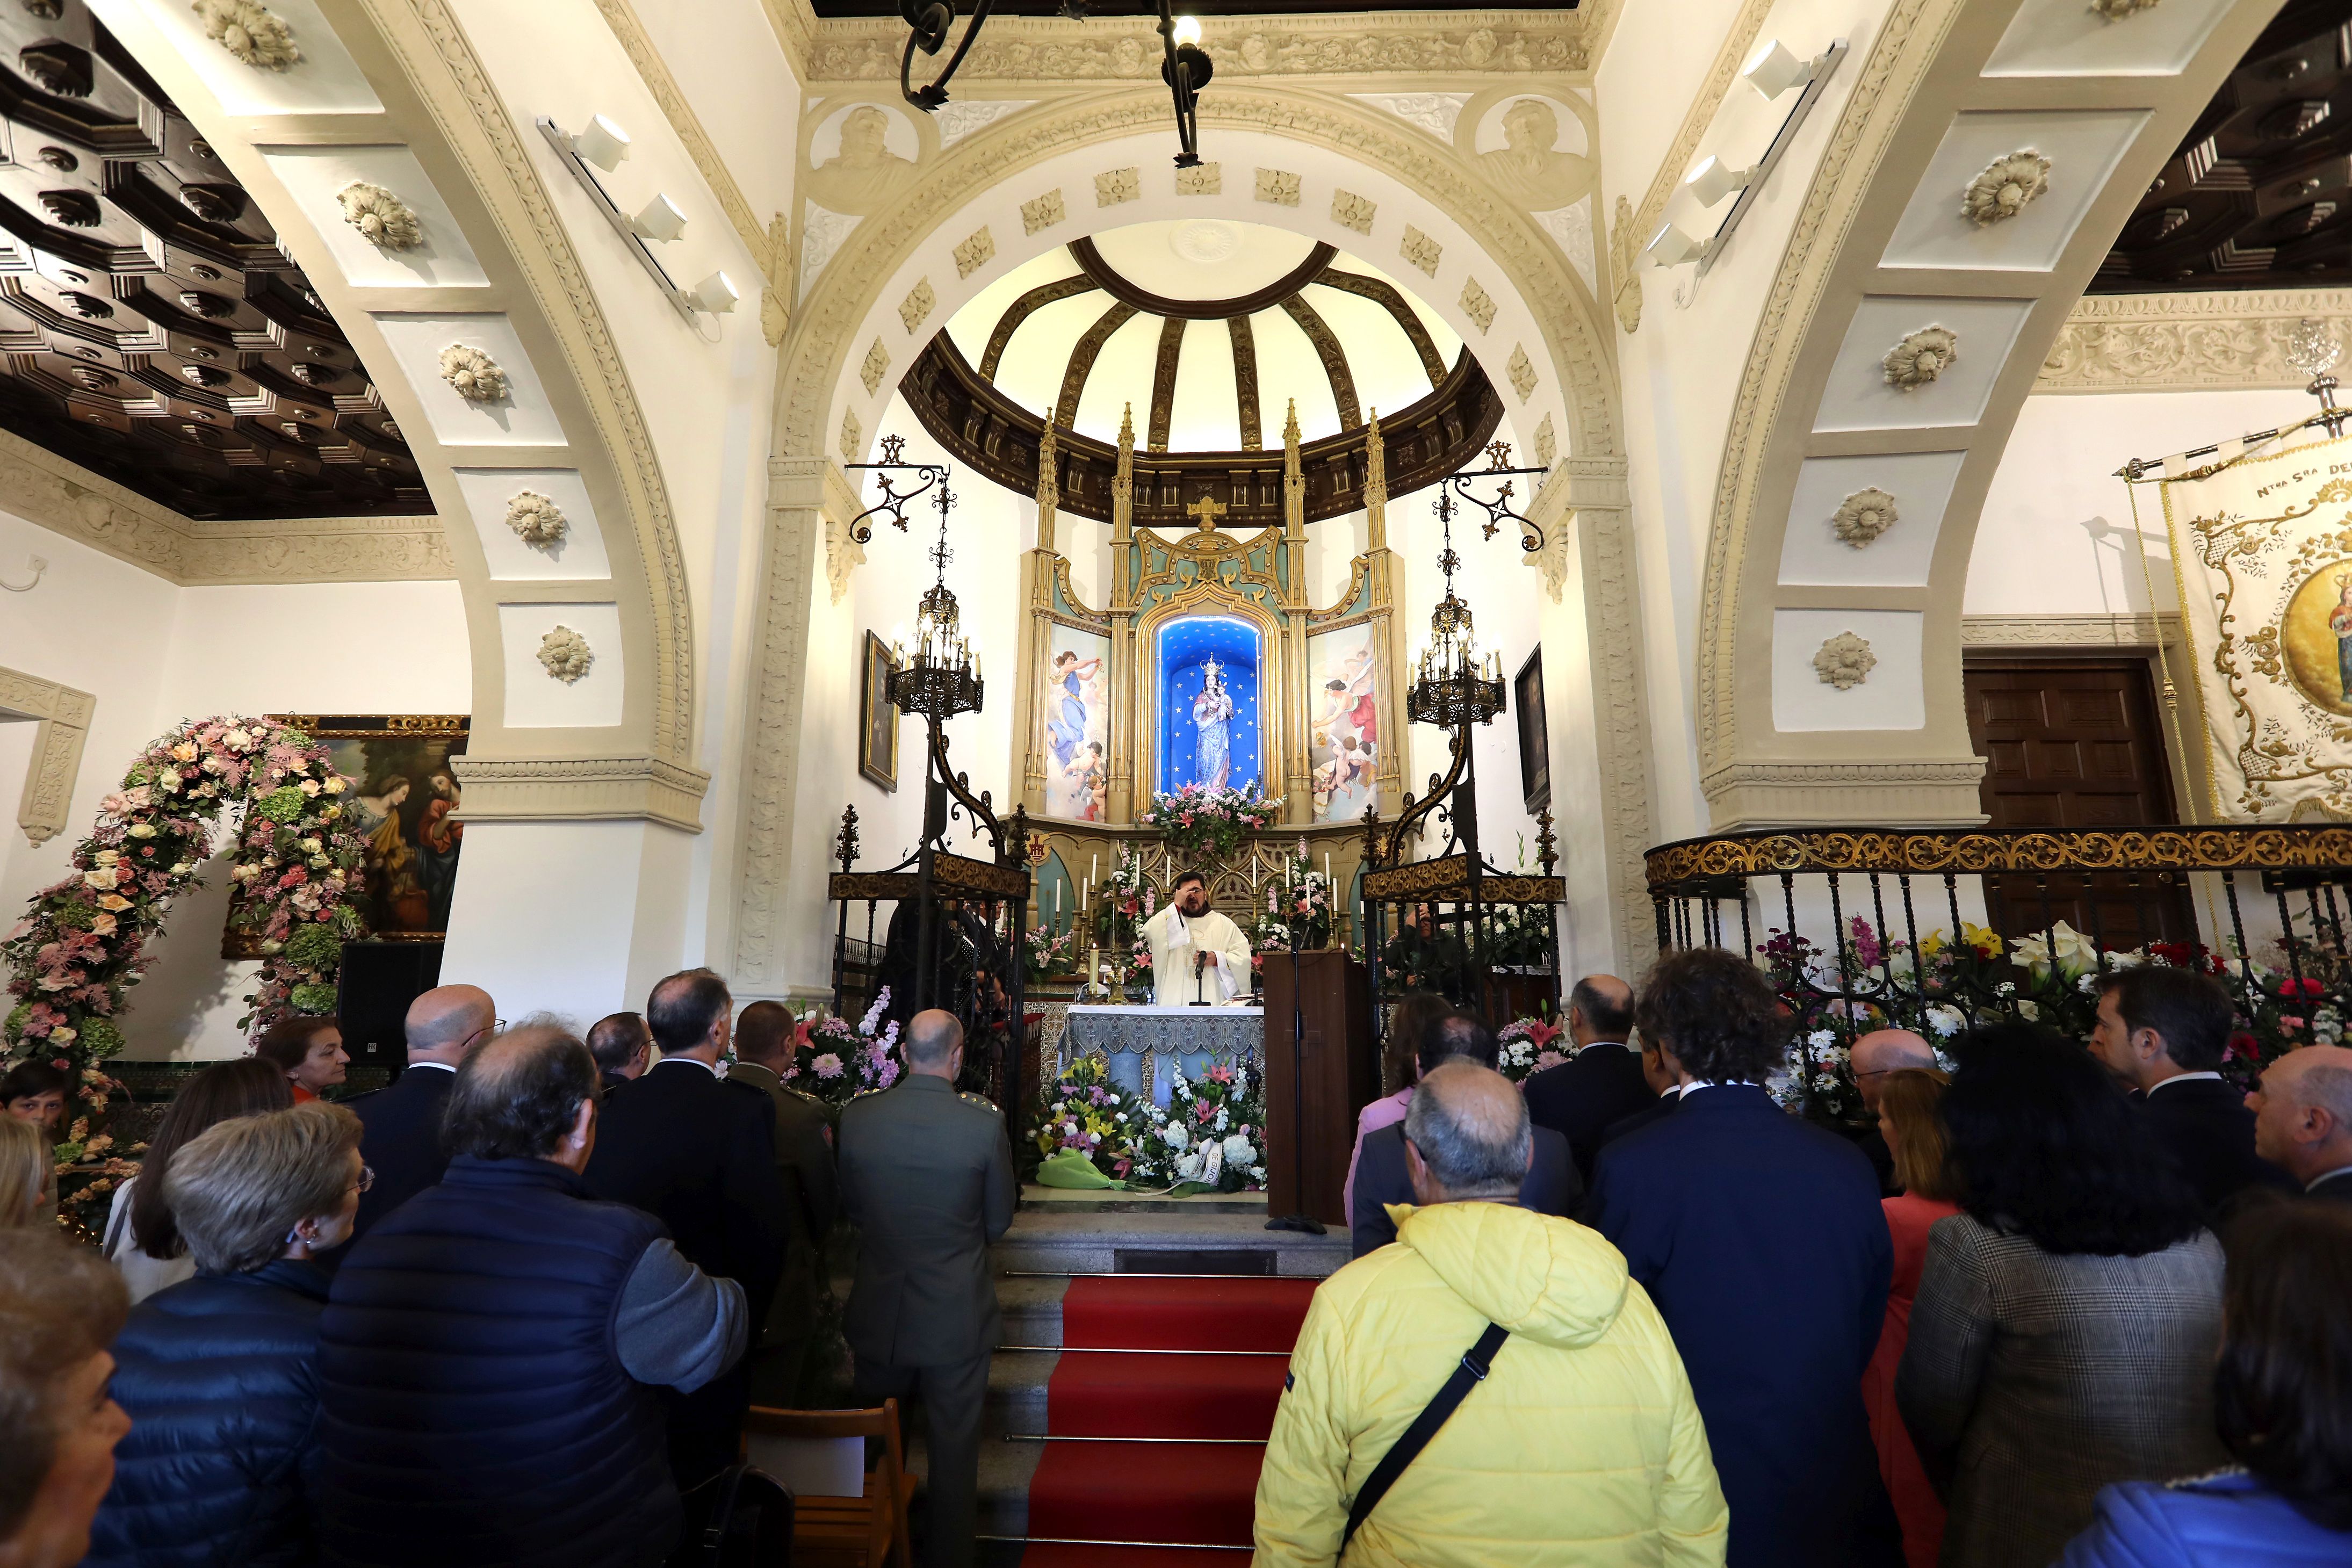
(1771, 70)
(606, 145)
(1185, 65)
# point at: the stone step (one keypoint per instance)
(1032, 1309)
(1056, 1242)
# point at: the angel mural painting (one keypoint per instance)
(1212, 713)
(1076, 711)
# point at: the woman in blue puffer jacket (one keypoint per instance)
(219, 1373)
(2282, 1400)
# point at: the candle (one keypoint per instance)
(1327, 868)
(1094, 864)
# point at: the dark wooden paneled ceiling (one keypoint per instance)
(2260, 194)
(153, 331)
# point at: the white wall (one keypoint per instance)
(154, 654)
(2055, 538)
(1680, 373)
(989, 530)
(705, 388)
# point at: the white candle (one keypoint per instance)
(1327, 868)
(1094, 864)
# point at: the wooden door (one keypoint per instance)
(2076, 744)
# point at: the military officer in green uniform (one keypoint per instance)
(926, 1177)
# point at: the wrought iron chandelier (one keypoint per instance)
(1454, 685)
(940, 677)
(1185, 65)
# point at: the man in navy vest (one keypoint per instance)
(488, 1358)
(401, 1142)
(699, 1152)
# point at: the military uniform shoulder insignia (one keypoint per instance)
(804, 1095)
(863, 1094)
(983, 1101)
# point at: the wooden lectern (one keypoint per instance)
(1336, 1071)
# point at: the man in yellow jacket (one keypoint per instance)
(1583, 1445)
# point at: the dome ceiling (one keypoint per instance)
(1204, 332)
(1208, 329)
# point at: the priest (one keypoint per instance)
(1197, 954)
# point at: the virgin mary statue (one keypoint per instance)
(1212, 710)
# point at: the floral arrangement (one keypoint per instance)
(1050, 954)
(1528, 1046)
(834, 1063)
(1297, 907)
(1941, 987)
(1208, 818)
(1086, 1112)
(80, 947)
(1121, 902)
(1212, 1138)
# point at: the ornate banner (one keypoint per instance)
(2262, 549)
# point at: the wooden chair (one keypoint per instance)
(864, 1531)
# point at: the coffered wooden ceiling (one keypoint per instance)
(2260, 194)
(152, 331)
(830, 8)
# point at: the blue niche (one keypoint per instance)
(1185, 648)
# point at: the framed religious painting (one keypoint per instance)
(1535, 740)
(877, 725)
(404, 799)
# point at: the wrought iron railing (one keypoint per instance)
(1935, 930)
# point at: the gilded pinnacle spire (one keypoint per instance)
(1126, 426)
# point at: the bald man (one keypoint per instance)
(1876, 1054)
(2302, 1118)
(1602, 1084)
(927, 1175)
(400, 1136)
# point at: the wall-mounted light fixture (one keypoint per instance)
(605, 145)
(715, 293)
(659, 220)
(1713, 180)
(1771, 70)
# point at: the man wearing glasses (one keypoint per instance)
(402, 1137)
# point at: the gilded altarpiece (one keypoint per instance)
(1325, 689)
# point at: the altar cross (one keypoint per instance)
(1205, 512)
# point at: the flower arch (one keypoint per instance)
(79, 947)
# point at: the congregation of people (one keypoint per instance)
(2070, 1306)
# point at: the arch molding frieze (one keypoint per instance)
(64, 714)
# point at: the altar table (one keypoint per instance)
(1143, 1045)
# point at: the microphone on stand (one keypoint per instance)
(1199, 971)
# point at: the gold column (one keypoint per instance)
(1127, 678)
(1298, 766)
(1381, 569)
(1036, 646)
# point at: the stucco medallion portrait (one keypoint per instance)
(1530, 167)
(866, 171)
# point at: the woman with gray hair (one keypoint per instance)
(220, 1373)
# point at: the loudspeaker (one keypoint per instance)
(379, 981)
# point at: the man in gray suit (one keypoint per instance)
(927, 1175)
(764, 1054)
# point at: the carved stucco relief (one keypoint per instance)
(2166, 342)
(45, 807)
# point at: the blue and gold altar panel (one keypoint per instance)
(1207, 670)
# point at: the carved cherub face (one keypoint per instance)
(1530, 126)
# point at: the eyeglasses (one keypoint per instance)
(497, 1026)
(367, 1179)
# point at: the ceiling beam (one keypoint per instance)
(1334, 357)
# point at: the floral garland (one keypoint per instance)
(834, 1063)
(1208, 817)
(81, 944)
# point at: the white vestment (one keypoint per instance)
(1174, 941)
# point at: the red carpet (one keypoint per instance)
(1184, 1493)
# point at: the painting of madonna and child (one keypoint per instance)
(402, 796)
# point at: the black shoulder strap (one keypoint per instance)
(1476, 1363)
